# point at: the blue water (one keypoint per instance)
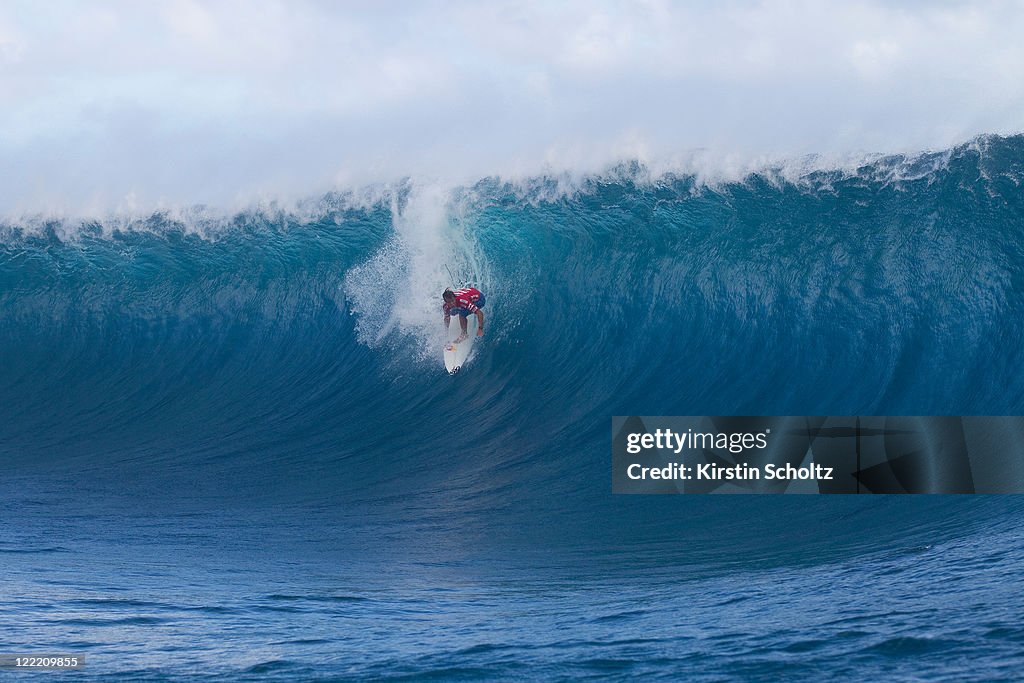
(231, 450)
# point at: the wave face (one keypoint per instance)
(295, 354)
(255, 407)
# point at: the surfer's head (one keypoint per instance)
(448, 295)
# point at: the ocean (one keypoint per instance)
(231, 450)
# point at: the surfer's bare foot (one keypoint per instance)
(460, 338)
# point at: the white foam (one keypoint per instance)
(396, 295)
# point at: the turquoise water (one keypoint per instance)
(231, 448)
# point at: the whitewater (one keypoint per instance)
(231, 448)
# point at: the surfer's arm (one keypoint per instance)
(479, 322)
(447, 319)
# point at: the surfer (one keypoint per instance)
(462, 302)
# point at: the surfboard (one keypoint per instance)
(455, 355)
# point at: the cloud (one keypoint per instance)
(223, 102)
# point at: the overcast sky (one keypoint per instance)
(121, 104)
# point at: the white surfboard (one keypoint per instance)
(455, 355)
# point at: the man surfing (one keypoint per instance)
(462, 302)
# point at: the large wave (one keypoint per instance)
(294, 354)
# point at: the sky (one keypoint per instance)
(108, 105)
